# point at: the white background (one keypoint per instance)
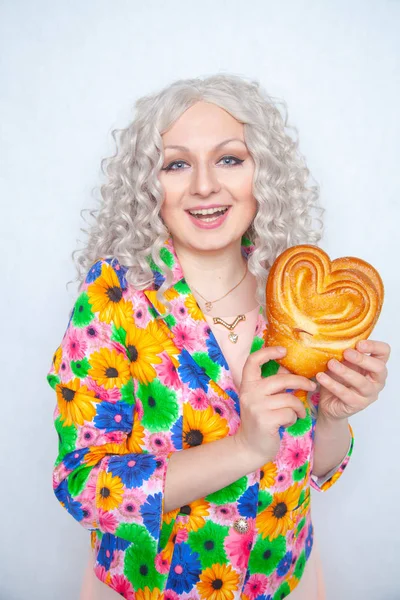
(71, 72)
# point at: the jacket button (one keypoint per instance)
(241, 525)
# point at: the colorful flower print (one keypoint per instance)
(114, 417)
(82, 314)
(247, 504)
(218, 582)
(277, 518)
(267, 554)
(185, 569)
(150, 511)
(191, 373)
(160, 406)
(109, 368)
(75, 345)
(194, 514)
(132, 389)
(184, 337)
(143, 351)
(122, 586)
(239, 545)
(106, 297)
(133, 469)
(75, 402)
(202, 426)
(255, 586)
(109, 491)
(208, 542)
(147, 594)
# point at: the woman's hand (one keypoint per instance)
(264, 407)
(355, 383)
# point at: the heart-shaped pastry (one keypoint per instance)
(317, 308)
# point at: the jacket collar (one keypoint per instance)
(190, 332)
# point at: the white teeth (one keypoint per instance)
(208, 211)
(209, 220)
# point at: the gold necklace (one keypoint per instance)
(232, 336)
(209, 303)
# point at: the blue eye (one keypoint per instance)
(170, 167)
(238, 161)
(176, 162)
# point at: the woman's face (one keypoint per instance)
(203, 170)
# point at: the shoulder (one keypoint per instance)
(109, 275)
(108, 269)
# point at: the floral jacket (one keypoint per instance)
(132, 390)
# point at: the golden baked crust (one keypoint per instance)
(317, 308)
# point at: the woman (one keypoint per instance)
(191, 470)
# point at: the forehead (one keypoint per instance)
(205, 123)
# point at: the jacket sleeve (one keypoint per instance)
(311, 401)
(324, 483)
(102, 475)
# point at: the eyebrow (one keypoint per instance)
(185, 149)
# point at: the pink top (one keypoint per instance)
(311, 586)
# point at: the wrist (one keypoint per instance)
(331, 426)
(250, 459)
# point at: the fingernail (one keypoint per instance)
(280, 350)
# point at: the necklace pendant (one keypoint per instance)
(208, 306)
(233, 337)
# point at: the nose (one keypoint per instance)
(204, 181)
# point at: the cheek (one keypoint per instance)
(170, 210)
(166, 204)
(253, 206)
(172, 194)
(242, 189)
(172, 185)
(250, 203)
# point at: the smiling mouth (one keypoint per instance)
(210, 216)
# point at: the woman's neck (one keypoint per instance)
(213, 274)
